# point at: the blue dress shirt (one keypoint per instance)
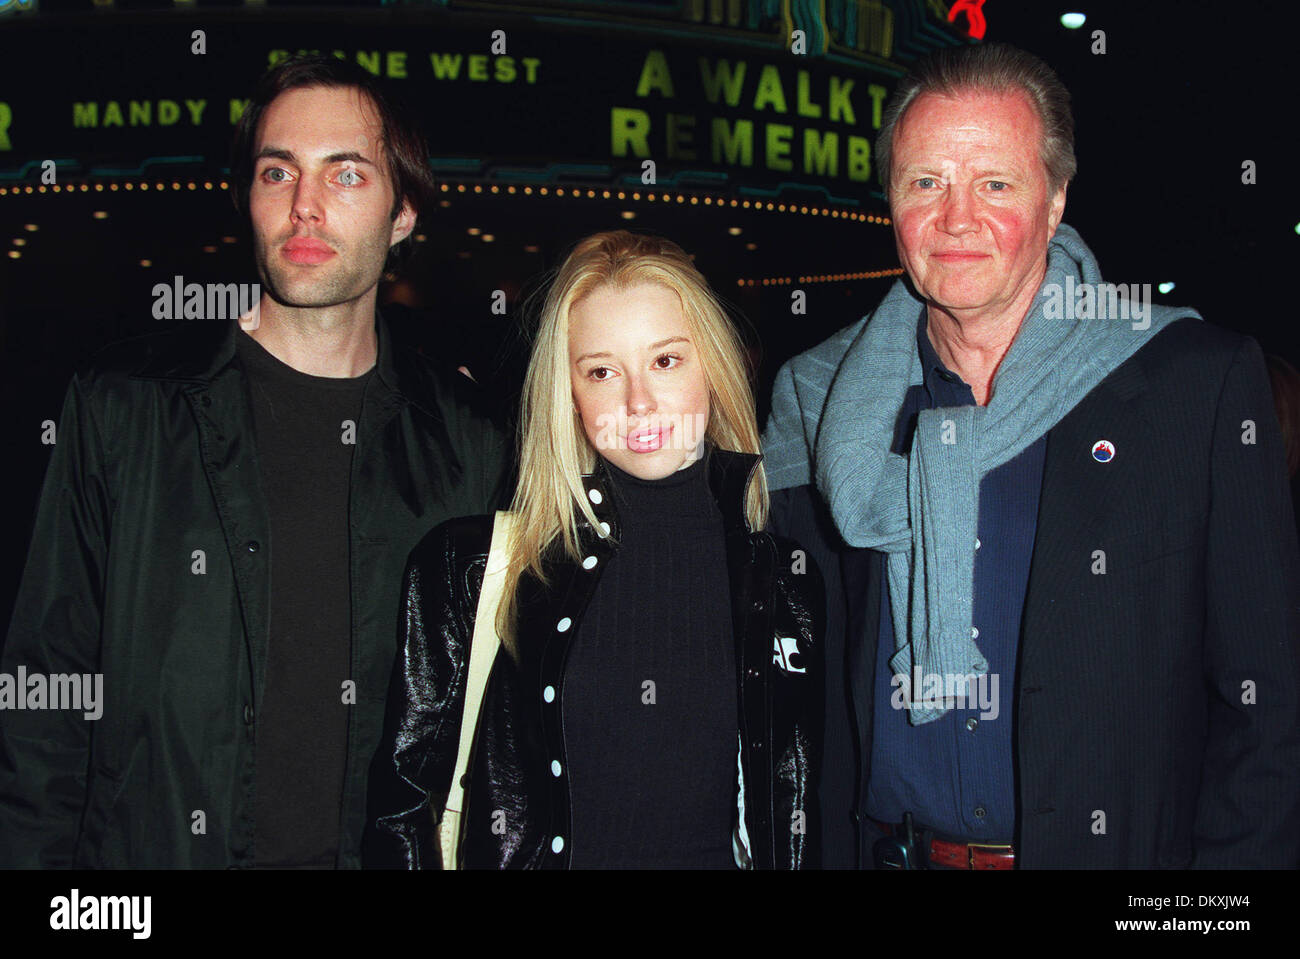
(957, 774)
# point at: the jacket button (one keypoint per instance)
(594, 496)
(563, 625)
(548, 694)
(555, 767)
(557, 844)
(254, 546)
(589, 562)
(248, 714)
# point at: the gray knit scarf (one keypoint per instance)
(833, 414)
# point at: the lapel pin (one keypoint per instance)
(1103, 451)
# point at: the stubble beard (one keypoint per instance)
(342, 279)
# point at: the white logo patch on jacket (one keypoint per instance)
(784, 651)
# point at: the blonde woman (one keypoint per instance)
(656, 700)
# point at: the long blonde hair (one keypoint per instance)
(554, 451)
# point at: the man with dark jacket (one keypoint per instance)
(220, 541)
(1070, 578)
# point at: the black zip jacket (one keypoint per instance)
(516, 812)
(154, 461)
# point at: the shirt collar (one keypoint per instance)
(198, 351)
(933, 371)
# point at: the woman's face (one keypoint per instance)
(637, 379)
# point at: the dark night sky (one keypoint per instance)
(1164, 120)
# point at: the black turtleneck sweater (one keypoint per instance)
(302, 719)
(649, 694)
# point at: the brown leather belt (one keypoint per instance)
(961, 855)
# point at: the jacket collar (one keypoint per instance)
(198, 351)
(729, 473)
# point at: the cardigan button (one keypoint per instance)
(594, 496)
(557, 844)
(589, 562)
(555, 767)
(563, 625)
(753, 673)
(248, 715)
(254, 546)
(548, 694)
(758, 606)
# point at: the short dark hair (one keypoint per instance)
(405, 152)
(1000, 68)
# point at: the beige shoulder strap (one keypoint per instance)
(482, 653)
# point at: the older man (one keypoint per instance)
(1067, 552)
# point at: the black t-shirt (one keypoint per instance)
(649, 696)
(304, 455)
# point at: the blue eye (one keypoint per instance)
(997, 186)
(272, 170)
(351, 173)
(925, 182)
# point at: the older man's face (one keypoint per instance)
(970, 202)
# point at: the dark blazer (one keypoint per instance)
(1163, 693)
(155, 459)
(775, 600)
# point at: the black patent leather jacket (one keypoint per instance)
(516, 809)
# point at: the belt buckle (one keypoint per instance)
(972, 846)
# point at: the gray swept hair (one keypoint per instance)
(996, 67)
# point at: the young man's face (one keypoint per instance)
(321, 198)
